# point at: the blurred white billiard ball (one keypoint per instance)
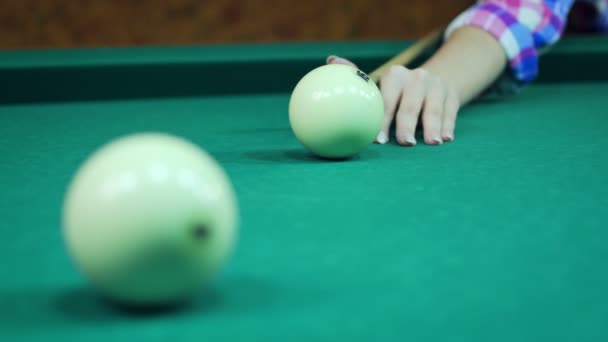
(149, 219)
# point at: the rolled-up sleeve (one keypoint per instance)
(522, 27)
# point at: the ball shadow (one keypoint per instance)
(85, 305)
(43, 310)
(269, 130)
(298, 155)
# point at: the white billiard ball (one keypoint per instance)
(336, 111)
(149, 219)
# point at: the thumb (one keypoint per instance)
(339, 60)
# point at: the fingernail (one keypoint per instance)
(438, 139)
(330, 59)
(409, 139)
(382, 138)
(339, 60)
(449, 137)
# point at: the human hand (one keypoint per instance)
(411, 95)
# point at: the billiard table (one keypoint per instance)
(501, 235)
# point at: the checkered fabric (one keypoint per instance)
(523, 27)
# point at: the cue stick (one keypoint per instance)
(408, 55)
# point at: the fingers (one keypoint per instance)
(427, 95)
(433, 115)
(408, 94)
(452, 105)
(339, 60)
(391, 86)
(409, 109)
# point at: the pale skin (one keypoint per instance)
(465, 65)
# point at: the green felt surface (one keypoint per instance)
(499, 236)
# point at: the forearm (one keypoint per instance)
(469, 61)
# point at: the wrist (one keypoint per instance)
(468, 62)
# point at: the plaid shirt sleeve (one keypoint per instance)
(523, 27)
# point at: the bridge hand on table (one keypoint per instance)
(410, 95)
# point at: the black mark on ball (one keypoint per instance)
(200, 232)
(363, 75)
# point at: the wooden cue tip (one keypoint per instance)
(408, 55)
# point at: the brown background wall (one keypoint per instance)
(70, 23)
